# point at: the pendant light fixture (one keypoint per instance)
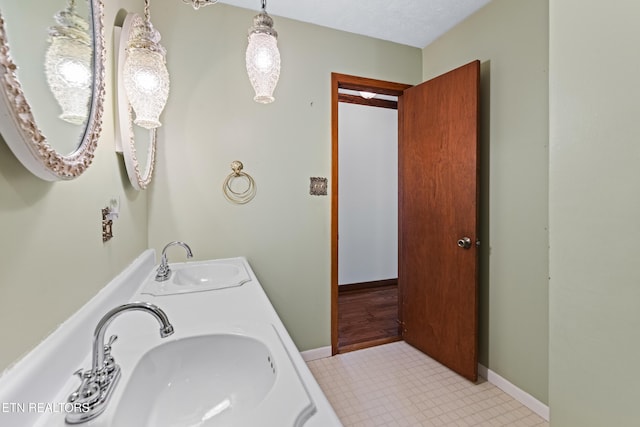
(68, 64)
(146, 78)
(263, 57)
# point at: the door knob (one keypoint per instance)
(464, 243)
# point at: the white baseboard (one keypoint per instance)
(518, 394)
(316, 353)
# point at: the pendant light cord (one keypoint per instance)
(147, 11)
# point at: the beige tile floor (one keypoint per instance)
(395, 385)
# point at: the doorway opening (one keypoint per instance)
(437, 212)
(364, 291)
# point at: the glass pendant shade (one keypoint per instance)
(68, 65)
(367, 95)
(263, 58)
(146, 78)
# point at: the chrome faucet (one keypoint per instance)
(164, 272)
(91, 397)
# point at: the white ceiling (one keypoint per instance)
(410, 22)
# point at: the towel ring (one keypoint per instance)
(239, 197)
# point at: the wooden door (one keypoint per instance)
(438, 206)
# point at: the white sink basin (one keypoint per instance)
(208, 275)
(207, 380)
(200, 276)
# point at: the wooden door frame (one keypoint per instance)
(345, 81)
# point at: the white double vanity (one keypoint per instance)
(225, 359)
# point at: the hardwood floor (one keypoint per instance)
(367, 317)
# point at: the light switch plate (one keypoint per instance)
(318, 186)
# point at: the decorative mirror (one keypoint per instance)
(52, 83)
(137, 144)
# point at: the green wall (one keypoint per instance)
(52, 259)
(594, 210)
(584, 320)
(510, 38)
(211, 120)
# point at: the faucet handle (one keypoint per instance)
(109, 362)
(164, 271)
(74, 396)
(82, 374)
(84, 377)
(107, 347)
(79, 373)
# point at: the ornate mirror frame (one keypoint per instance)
(18, 126)
(125, 135)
